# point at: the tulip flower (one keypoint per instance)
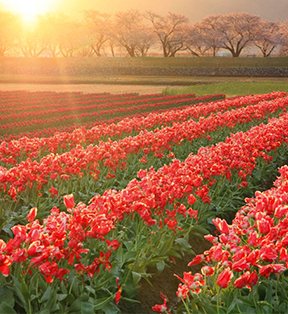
(160, 308)
(207, 271)
(118, 293)
(253, 279)
(32, 214)
(242, 281)
(224, 278)
(5, 262)
(69, 201)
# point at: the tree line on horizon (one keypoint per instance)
(135, 34)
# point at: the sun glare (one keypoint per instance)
(28, 9)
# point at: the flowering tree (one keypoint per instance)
(49, 28)
(170, 31)
(131, 33)
(35, 38)
(71, 38)
(283, 38)
(195, 41)
(237, 31)
(204, 36)
(267, 37)
(9, 28)
(98, 30)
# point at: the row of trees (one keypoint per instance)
(135, 34)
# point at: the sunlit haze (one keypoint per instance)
(195, 10)
(28, 9)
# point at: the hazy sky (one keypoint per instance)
(194, 9)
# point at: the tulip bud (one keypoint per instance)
(32, 214)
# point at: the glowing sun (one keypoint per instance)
(28, 9)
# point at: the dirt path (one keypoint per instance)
(85, 88)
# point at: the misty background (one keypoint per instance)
(195, 10)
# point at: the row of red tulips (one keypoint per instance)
(40, 123)
(36, 100)
(162, 198)
(80, 161)
(51, 131)
(35, 147)
(158, 198)
(87, 106)
(195, 175)
(246, 254)
(13, 101)
(66, 248)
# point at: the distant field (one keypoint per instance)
(194, 62)
(235, 87)
(201, 85)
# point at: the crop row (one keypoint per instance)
(196, 175)
(17, 100)
(74, 169)
(251, 253)
(35, 147)
(31, 124)
(102, 250)
(51, 131)
(59, 109)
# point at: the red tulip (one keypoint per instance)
(163, 307)
(69, 201)
(118, 293)
(253, 279)
(221, 225)
(207, 270)
(242, 281)
(32, 214)
(241, 265)
(224, 278)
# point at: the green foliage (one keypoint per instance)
(144, 62)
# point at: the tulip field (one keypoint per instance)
(100, 192)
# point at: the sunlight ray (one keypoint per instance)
(28, 9)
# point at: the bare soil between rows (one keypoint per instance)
(165, 282)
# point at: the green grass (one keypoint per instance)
(194, 62)
(111, 79)
(234, 88)
(196, 82)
